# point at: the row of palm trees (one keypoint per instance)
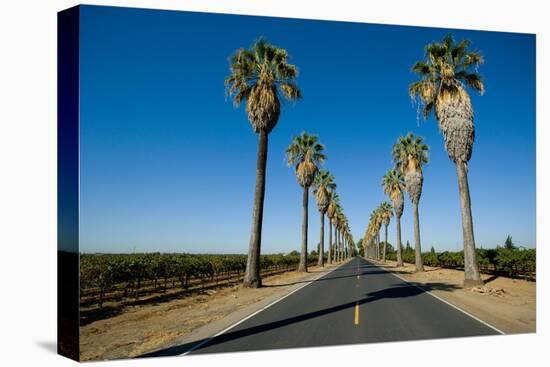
(261, 76)
(371, 240)
(306, 154)
(448, 70)
(410, 154)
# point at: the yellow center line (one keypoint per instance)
(356, 313)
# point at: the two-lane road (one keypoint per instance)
(357, 302)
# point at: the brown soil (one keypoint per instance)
(144, 328)
(505, 303)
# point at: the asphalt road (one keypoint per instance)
(357, 302)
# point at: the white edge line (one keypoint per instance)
(255, 313)
(446, 302)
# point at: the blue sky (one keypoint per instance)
(168, 164)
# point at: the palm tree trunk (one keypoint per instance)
(252, 274)
(417, 248)
(303, 255)
(471, 270)
(398, 227)
(344, 248)
(385, 242)
(335, 245)
(336, 252)
(329, 260)
(378, 245)
(341, 246)
(322, 241)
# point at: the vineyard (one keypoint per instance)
(514, 263)
(120, 279)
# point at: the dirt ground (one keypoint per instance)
(140, 329)
(505, 303)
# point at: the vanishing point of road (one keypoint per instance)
(357, 302)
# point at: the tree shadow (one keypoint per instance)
(323, 279)
(491, 278)
(437, 286)
(401, 290)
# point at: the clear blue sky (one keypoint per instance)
(168, 164)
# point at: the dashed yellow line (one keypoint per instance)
(356, 313)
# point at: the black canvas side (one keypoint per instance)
(68, 182)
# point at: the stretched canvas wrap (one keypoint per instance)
(236, 183)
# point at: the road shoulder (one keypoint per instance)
(507, 304)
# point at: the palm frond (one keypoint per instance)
(447, 69)
(259, 76)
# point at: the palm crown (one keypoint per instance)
(448, 68)
(410, 153)
(386, 212)
(323, 183)
(333, 204)
(393, 183)
(260, 76)
(306, 153)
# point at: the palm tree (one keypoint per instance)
(379, 220)
(305, 152)
(334, 203)
(323, 184)
(336, 224)
(260, 77)
(386, 212)
(341, 230)
(409, 154)
(446, 73)
(393, 187)
(373, 233)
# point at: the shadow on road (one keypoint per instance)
(399, 291)
(317, 280)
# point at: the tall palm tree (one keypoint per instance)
(341, 229)
(373, 232)
(449, 69)
(334, 203)
(386, 212)
(393, 185)
(379, 220)
(335, 245)
(260, 77)
(367, 238)
(323, 184)
(409, 155)
(336, 224)
(351, 244)
(306, 153)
